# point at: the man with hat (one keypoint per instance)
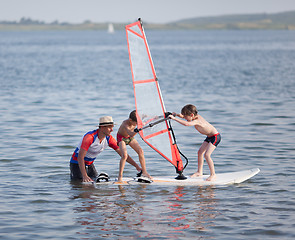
(92, 144)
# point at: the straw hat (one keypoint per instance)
(105, 121)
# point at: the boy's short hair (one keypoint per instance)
(189, 109)
(132, 116)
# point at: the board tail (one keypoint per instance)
(155, 127)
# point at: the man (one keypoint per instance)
(92, 144)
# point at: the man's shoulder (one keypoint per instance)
(112, 142)
(109, 137)
(90, 134)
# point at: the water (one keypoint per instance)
(56, 85)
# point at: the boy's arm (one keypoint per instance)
(121, 166)
(183, 122)
(177, 114)
(130, 133)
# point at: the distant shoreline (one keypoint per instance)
(117, 27)
(277, 21)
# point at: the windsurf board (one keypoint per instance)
(221, 179)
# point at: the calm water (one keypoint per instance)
(55, 86)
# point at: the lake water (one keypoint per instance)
(56, 85)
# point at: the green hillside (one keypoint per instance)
(284, 20)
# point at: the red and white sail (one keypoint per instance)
(148, 98)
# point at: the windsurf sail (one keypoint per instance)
(154, 126)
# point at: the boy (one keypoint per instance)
(125, 136)
(190, 114)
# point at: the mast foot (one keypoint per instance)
(181, 177)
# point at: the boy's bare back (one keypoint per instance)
(204, 127)
(198, 122)
(127, 128)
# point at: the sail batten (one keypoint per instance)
(149, 104)
(144, 81)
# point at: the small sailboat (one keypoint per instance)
(111, 28)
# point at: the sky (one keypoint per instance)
(122, 11)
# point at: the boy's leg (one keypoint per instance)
(201, 152)
(209, 151)
(124, 156)
(135, 145)
(133, 163)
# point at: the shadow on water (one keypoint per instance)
(143, 211)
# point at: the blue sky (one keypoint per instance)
(155, 11)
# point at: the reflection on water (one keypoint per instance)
(198, 212)
(132, 211)
(206, 213)
(178, 209)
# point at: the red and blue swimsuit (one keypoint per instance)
(215, 139)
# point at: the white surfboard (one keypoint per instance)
(221, 179)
